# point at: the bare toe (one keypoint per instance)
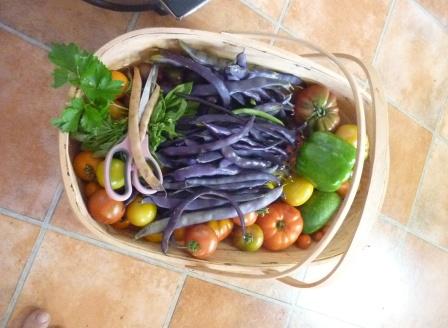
(37, 319)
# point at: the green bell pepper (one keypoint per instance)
(326, 160)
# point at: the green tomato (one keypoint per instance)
(117, 168)
(141, 214)
(251, 241)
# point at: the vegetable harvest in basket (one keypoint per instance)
(189, 150)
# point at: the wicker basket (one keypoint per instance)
(363, 201)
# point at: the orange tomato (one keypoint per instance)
(343, 189)
(222, 228)
(304, 241)
(105, 209)
(122, 224)
(249, 219)
(119, 76)
(155, 237)
(85, 165)
(90, 188)
(281, 226)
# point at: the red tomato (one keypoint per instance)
(304, 241)
(122, 224)
(201, 241)
(85, 165)
(249, 219)
(222, 228)
(281, 226)
(318, 235)
(90, 188)
(179, 235)
(105, 209)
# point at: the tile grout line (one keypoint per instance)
(430, 15)
(409, 115)
(175, 300)
(289, 316)
(32, 257)
(133, 22)
(411, 231)
(258, 11)
(24, 37)
(164, 265)
(383, 32)
(21, 217)
(282, 16)
(331, 317)
(106, 246)
(421, 179)
(204, 277)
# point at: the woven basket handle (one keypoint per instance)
(377, 99)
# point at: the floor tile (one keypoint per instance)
(423, 282)
(85, 286)
(302, 318)
(228, 15)
(269, 288)
(16, 241)
(410, 62)
(444, 124)
(202, 304)
(29, 148)
(64, 20)
(431, 207)
(437, 8)
(366, 286)
(403, 177)
(270, 8)
(64, 218)
(325, 21)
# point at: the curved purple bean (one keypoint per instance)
(205, 103)
(239, 86)
(246, 163)
(176, 214)
(203, 57)
(220, 213)
(259, 153)
(203, 71)
(218, 130)
(184, 150)
(246, 177)
(209, 157)
(200, 170)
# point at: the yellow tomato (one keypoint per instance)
(141, 214)
(179, 236)
(297, 191)
(349, 133)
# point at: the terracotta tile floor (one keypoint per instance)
(396, 278)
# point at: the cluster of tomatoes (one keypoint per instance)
(274, 228)
(101, 207)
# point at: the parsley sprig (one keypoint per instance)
(86, 72)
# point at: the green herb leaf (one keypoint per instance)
(169, 109)
(69, 119)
